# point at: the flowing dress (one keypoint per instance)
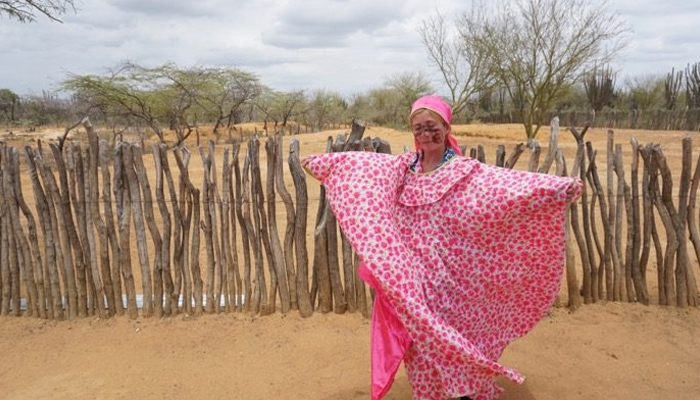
(464, 259)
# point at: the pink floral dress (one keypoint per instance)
(464, 259)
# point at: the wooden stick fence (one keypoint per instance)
(71, 256)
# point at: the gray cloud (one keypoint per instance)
(168, 8)
(348, 46)
(316, 23)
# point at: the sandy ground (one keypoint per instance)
(609, 351)
(603, 351)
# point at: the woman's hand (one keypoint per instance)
(305, 162)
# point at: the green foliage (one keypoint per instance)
(9, 105)
(325, 107)
(645, 92)
(280, 107)
(166, 95)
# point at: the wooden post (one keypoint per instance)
(302, 278)
(53, 289)
(207, 228)
(331, 226)
(639, 283)
(158, 275)
(683, 265)
(289, 229)
(514, 156)
(535, 151)
(76, 190)
(62, 243)
(76, 187)
(610, 241)
(140, 229)
(320, 267)
(572, 285)
(191, 274)
(70, 232)
(261, 225)
(500, 155)
(276, 246)
(14, 264)
(259, 299)
(174, 227)
(91, 204)
(625, 281)
(123, 200)
(25, 262)
(553, 146)
(195, 283)
(665, 276)
(691, 213)
(159, 152)
(214, 205)
(4, 251)
(96, 218)
(227, 245)
(107, 204)
(339, 302)
(607, 260)
(38, 271)
(578, 234)
(480, 154)
(245, 237)
(674, 219)
(233, 218)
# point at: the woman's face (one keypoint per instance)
(429, 131)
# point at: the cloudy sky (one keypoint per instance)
(344, 45)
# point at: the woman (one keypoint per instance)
(464, 257)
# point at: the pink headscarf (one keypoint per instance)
(438, 105)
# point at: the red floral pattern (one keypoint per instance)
(469, 257)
